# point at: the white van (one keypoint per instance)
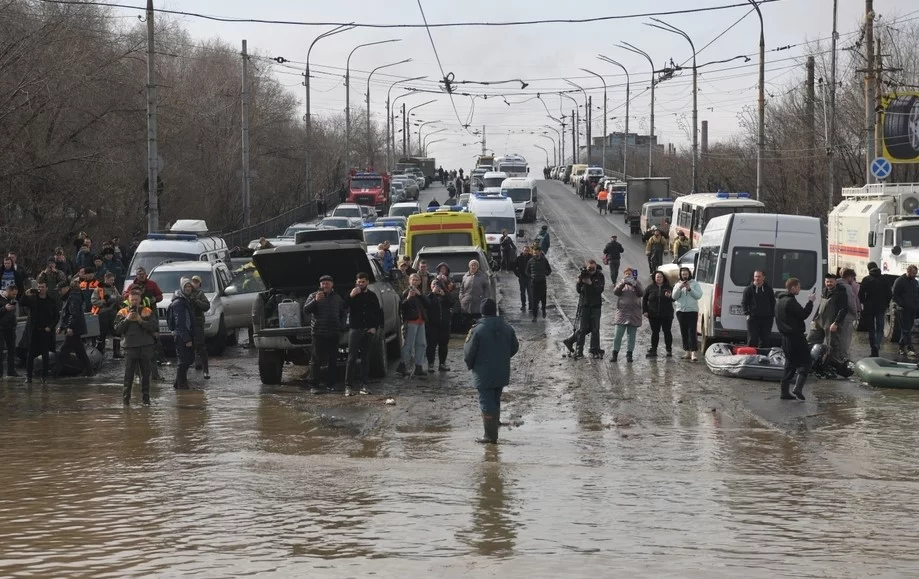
(491, 182)
(187, 240)
(495, 214)
(734, 246)
(522, 191)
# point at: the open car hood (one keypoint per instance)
(298, 267)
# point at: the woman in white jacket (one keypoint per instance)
(686, 295)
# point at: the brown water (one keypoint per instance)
(232, 481)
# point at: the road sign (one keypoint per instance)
(880, 168)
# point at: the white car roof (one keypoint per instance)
(518, 181)
(407, 204)
(196, 266)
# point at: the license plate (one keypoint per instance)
(736, 310)
(163, 327)
(303, 336)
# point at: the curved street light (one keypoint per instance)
(661, 25)
(575, 153)
(628, 97)
(389, 120)
(348, 96)
(637, 50)
(586, 119)
(369, 76)
(425, 152)
(551, 140)
(605, 134)
(424, 144)
(561, 142)
(544, 151)
(309, 132)
(406, 143)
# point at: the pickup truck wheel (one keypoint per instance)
(217, 344)
(377, 356)
(270, 366)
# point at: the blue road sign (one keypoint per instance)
(880, 168)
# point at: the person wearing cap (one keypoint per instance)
(110, 264)
(328, 312)
(612, 256)
(488, 350)
(906, 296)
(542, 239)
(680, 245)
(875, 295)
(182, 316)
(73, 326)
(199, 304)
(137, 325)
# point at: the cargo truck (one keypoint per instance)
(640, 191)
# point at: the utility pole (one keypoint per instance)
(574, 138)
(483, 140)
(761, 106)
(153, 209)
(590, 114)
(247, 177)
(562, 140)
(404, 130)
(831, 134)
(871, 95)
(809, 126)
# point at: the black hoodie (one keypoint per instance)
(790, 316)
(874, 293)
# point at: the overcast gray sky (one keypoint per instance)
(541, 55)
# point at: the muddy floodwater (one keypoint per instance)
(657, 469)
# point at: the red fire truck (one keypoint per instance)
(369, 188)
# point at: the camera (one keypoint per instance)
(585, 274)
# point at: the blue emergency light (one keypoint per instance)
(723, 195)
(173, 236)
(662, 199)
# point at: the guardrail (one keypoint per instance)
(276, 225)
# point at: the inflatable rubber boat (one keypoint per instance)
(745, 362)
(71, 366)
(884, 373)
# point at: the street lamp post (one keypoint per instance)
(551, 140)
(761, 121)
(425, 143)
(587, 114)
(309, 133)
(628, 97)
(389, 124)
(421, 126)
(406, 138)
(561, 142)
(369, 76)
(544, 151)
(605, 134)
(348, 97)
(631, 48)
(393, 123)
(695, 93)
(574, 122)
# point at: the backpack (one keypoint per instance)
(170, 318)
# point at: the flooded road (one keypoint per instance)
(655, 469)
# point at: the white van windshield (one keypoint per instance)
(494, 181)
(518, 195)
(777, 264)
(169, 280)
(498, 224)
(151, 259)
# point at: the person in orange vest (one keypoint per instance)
(602, 197)
(87, 284)
(105, 300)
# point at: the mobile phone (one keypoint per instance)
(635, 273)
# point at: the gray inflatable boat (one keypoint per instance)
(745, 362)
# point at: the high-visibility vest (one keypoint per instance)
(602, 195)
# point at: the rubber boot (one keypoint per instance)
(615, 357)
(786, 395)
(628, 357)
(490, 425)
(116, 349)
(569, 345)
(126, 395)
(579, 353)
(799, 387)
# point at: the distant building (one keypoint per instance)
(615, 142)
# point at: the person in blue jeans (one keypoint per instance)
(182, 323)
(414, 309)
(523, 278)
(875, 294)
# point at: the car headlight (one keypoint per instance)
(210, 313)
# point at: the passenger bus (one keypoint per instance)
(513, 165)
(691, 213)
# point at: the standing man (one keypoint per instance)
(328, 311)
(51, 275)
(181, 321)
(612, 254)
(655, 249)
(832, 315)
(43, 317)
(847, 330)
(199, 305)
(542, 239)
(490, 345)
(8, 321)
(73, 326)
(137, 325)
(758, 304)
(590, 289)
(790, 318)
(523, 278)
(537, 270)
(320, 206)
(366, 319)
(105, 303)
(680, 245)
(906, 296)
(875, 295)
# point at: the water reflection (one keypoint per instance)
(494, 514)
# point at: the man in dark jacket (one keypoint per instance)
(437, 325)
(490, 345)
(366, 320)
(329, 312)
(73, 326)
(613, 252)
(874, 293)
(790, 319)
(137, 325)
(906, 296)
(537, 270)
(542, 239)
(832, 313)
(182, 316)
(8, 321)
(589, 286)
(758, 305)
(523, 278)
(43, 318)
(199, 305)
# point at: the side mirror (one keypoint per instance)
(230, 290)
(897, 250)
(871, 239)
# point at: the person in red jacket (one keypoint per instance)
(151, 290)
